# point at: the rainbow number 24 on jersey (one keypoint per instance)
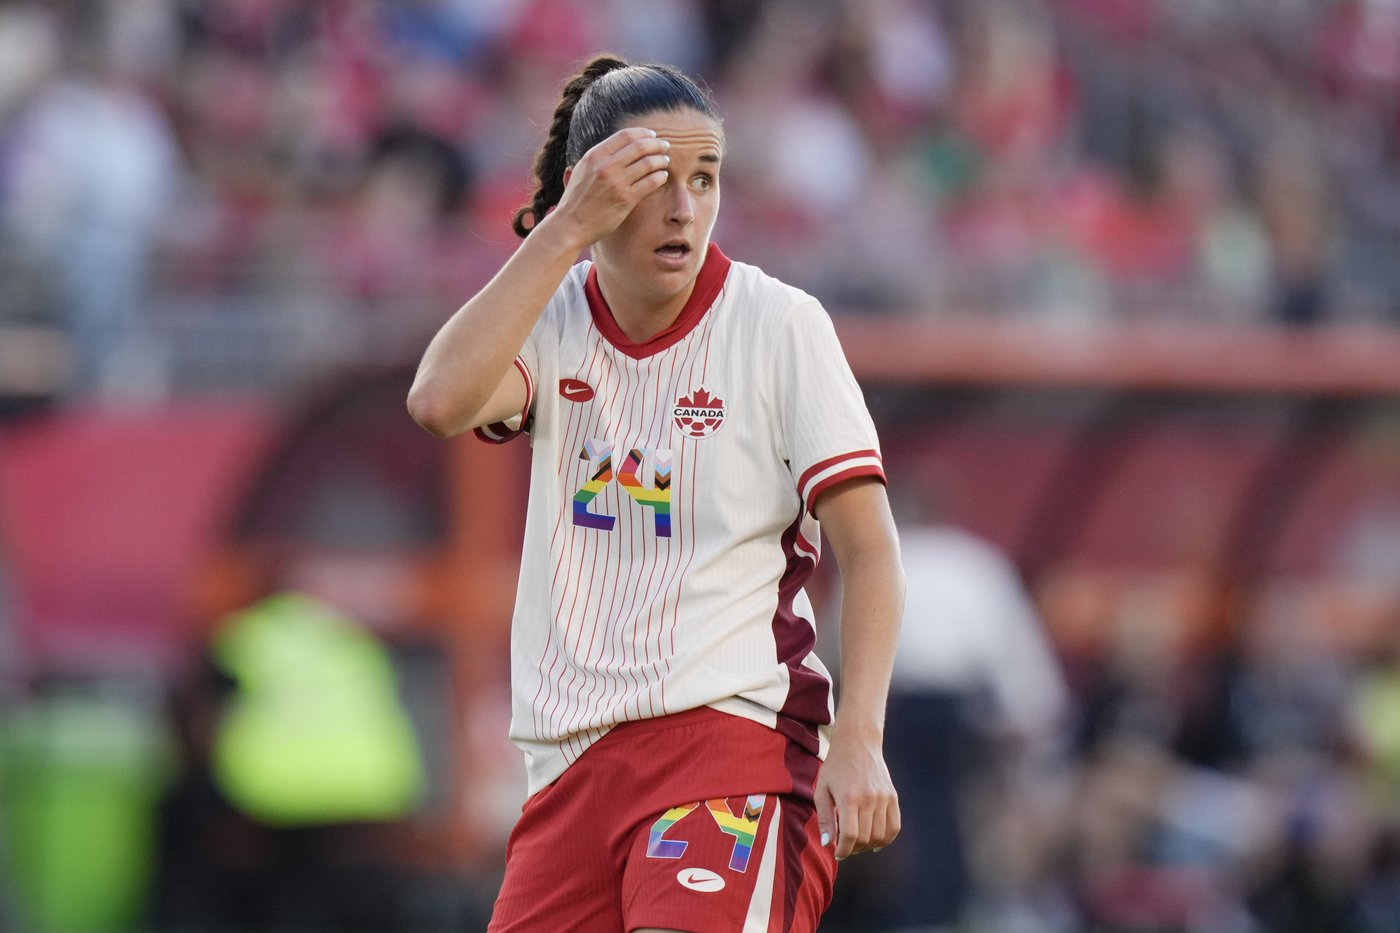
(657, 496)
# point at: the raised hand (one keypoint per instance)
(601, 190)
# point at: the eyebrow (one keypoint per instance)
(708, 157)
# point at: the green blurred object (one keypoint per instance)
(1376, 714)
(315, 733)
(80, 777)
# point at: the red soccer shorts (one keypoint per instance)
(699, 821)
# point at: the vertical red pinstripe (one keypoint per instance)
(676, 545)
(551, 651)
(692, 462)
(596, 544)
(641, 595)
(617, 542)
(657, 596)
(559, 592)
(625, 592)
(664, 388)
(569, 440)
(647, 671)
(679, 545)
(612, 546)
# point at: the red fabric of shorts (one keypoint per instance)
(700, 822)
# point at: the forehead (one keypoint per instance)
(688, 130)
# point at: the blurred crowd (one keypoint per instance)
(1241, 781)
(214, 194)
(1160, 788)
(262, 185)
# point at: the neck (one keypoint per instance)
(637, 315)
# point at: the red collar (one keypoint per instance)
(708, 283)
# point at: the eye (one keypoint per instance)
(702, 182)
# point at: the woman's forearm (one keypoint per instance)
(871, 606)
(468, 357)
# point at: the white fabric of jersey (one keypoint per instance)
(729, 424)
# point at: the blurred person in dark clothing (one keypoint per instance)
(976, 706)
(206, 848)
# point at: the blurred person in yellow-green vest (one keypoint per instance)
(296, 751)
(314, 731)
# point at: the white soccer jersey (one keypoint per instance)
(670, 528)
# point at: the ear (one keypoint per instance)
(568, 173)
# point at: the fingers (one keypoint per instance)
(642, 170)
(646, 163)
(603, 187)
(854, 795)
(826, 815)
(854, 830)
(630, 149)
(884, 826)
(633, 161)
(621, 140)
(893, 824)
(865, 823)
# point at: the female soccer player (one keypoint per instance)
(691, 418)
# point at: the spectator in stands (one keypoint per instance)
(90, 213)
(1296, 209)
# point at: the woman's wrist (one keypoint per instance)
(561, 232)
(860, 724)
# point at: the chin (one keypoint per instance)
(677, 280)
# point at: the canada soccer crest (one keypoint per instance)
(699, 414)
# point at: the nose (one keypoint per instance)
(680, 207)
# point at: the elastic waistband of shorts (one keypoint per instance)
(689, 717)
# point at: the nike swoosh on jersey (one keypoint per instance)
(575, 390)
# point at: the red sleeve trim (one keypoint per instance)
(499, 432)
(864, 469)
(826, 464)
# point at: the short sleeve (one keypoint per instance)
(500, 432)
(828, 433)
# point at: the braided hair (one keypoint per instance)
(592, 107)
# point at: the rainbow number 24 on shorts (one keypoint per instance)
(743, 828)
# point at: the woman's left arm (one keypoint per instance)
(856, 801)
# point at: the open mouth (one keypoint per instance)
(674, 251)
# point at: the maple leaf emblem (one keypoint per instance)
(702, 398)
(700, 413)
